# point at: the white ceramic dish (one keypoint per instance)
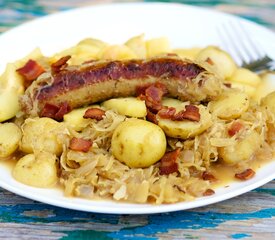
(185, 26)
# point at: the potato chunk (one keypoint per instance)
(230, 105)
(10, 136)
(129, 106)
(157, 46)
(138, 143)
(245, 76)
(11, 87)
(185, 128)
(40, 134)
(219, 59)
(137, 45)
(189, 53)
(75, 118)
(269, 102)
(116, 52)
(9, 104)
(37, 170)
(242, 150)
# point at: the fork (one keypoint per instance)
(244, 50)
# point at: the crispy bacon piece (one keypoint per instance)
(167, 112)
(153, 97)
(63, 109)
(60, 64)
(151, 117)
(208, 176)
(168, 162)
(228, 85)
(55, 112)
(31, 70)
(191, 112)
(245, 175)
(49, 110)
(209, 192)
(140, 90)
(94, 113)
(209, 61)
(235, 128)
(80, 144)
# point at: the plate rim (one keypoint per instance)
(153, 209)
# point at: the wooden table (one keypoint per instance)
(249, 216)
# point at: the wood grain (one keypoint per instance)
(251, 215)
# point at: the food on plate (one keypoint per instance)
(10, 137)
(40, 135)
(220, 60)
(183, 128)
(137, 122)
(128, 106)
(138, 143)
(230, 105)
(38, 170)
(97, 81)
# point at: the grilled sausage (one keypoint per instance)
(100, 80)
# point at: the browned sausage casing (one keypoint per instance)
(101, 80)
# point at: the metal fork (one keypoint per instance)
(244, 50)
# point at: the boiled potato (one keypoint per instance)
(242, 150)
(92, 42)
(34, 55)
(175, 103)
(129, 106)
(248, 89)
(11, 87)
(157, 46)
(40, 134)
(245, 76)
(222, 61)
(10, 136)
(9, 104)
(37, 170)
(10, 79)
(185, 128)
(269, 102)
(137, 45)
(138, 143)
(231, 104)
(75, 118)
(189, 53)
(117, 52)
(85, 50)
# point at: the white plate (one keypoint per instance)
(185, 26)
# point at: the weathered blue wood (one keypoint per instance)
(250, 216)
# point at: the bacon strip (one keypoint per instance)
(55, 112)
(168, 162)
(245, 175)
(208, 176)
(60, 64)
(31, 70)
(167, 112)
(191, 112)
(209, 192)
(235, 128)
(153, 97)
(151, 117)
(94, 113)
(80, 144)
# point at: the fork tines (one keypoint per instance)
(244, 49)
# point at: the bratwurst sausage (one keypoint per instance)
(100, 80)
